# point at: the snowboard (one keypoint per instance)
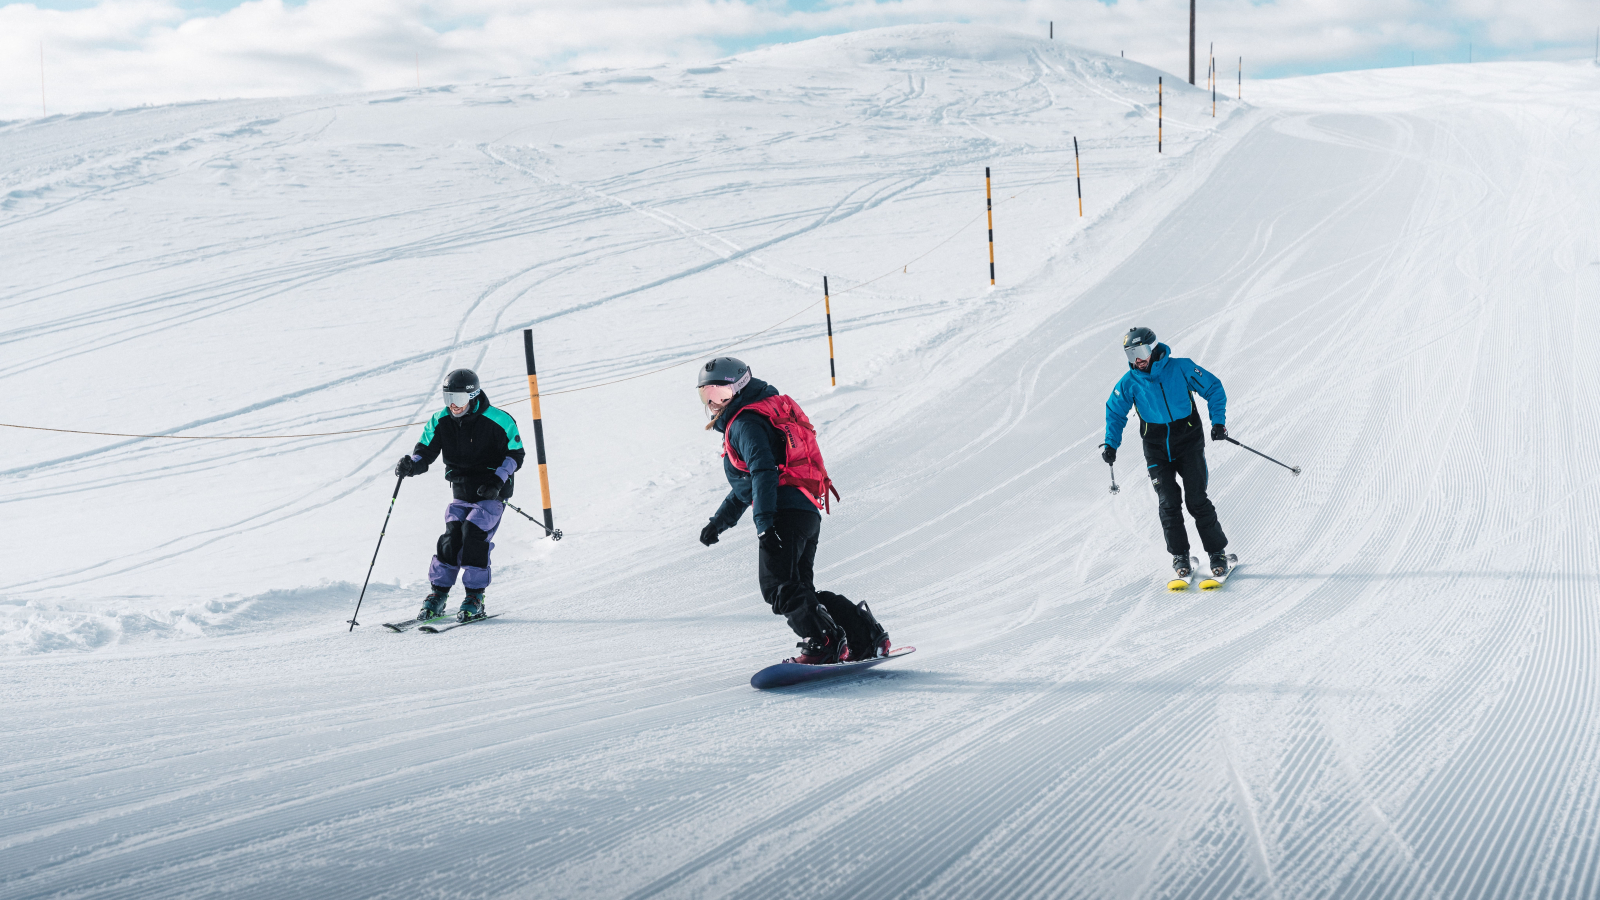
(1183, 584)
(1212, 582)
(787, 673)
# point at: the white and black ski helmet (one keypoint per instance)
(461, 387)
(724, 370)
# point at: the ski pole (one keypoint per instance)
(554, 533)
(397, 483)
(1294, 469)
(1114, 488)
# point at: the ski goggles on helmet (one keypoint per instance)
(1138, 352)
(722, 393)
(716, 393)
(460, 398)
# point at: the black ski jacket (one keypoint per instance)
(482, 447)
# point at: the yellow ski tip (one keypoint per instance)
(1177, 584)
(1210, 584)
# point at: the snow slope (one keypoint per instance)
(1396, 697)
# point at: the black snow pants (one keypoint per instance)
(1190, 465)
(786, 575)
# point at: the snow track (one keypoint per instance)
(1392, 272)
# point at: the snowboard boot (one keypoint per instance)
(877, 637)
(825, 644)
(471, 607)
(433, 604)
(1180, 564)
(1219, 564)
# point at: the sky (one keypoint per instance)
(63, 56)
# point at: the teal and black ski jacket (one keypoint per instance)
(482, 447)
(1170, 420)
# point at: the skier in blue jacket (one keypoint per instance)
(1162, 388)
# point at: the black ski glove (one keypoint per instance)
(770, 541)
(489, 492)
(708, 534)
(1219, 432)
(406, 467)
(1108, 453)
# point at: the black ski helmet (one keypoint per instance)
(461, 388)
(1139, 337)
(722, 370)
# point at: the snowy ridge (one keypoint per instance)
(1397, 697)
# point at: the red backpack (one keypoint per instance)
(802, 466)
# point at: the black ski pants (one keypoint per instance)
(1190, 466)
(786, 575)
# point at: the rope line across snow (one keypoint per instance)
(588, 387)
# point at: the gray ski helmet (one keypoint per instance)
(1139, 337)
(460, 387)
(1139, 344)
(722, 370)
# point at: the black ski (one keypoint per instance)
(431, 629)
(412, 623)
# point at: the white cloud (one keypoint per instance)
(122, 53)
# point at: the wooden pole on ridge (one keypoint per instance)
(1158, 115)
(538, 431)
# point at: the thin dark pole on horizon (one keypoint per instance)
(1191, 41)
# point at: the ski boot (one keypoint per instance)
(822, 651)
(471, 607)
(1180, 564)
(433, 604)
(1219, 564)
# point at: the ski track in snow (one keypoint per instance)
(1391, 271)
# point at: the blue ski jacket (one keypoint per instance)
(1162, 396)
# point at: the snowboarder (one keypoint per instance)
(482, 451)
(772, 462)
(1161, 387)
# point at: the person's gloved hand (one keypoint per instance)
(489, 492)
(770, 541)
(1108, 453)
(1219, 432)
(708, 534)
(406, 467)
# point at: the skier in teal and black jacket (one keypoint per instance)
(482, 451)
(1162, 388)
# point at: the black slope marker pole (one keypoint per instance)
(827, 310)
(353, 622)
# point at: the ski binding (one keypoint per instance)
(1212, 582)
(1182, 584)
(441, 629)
